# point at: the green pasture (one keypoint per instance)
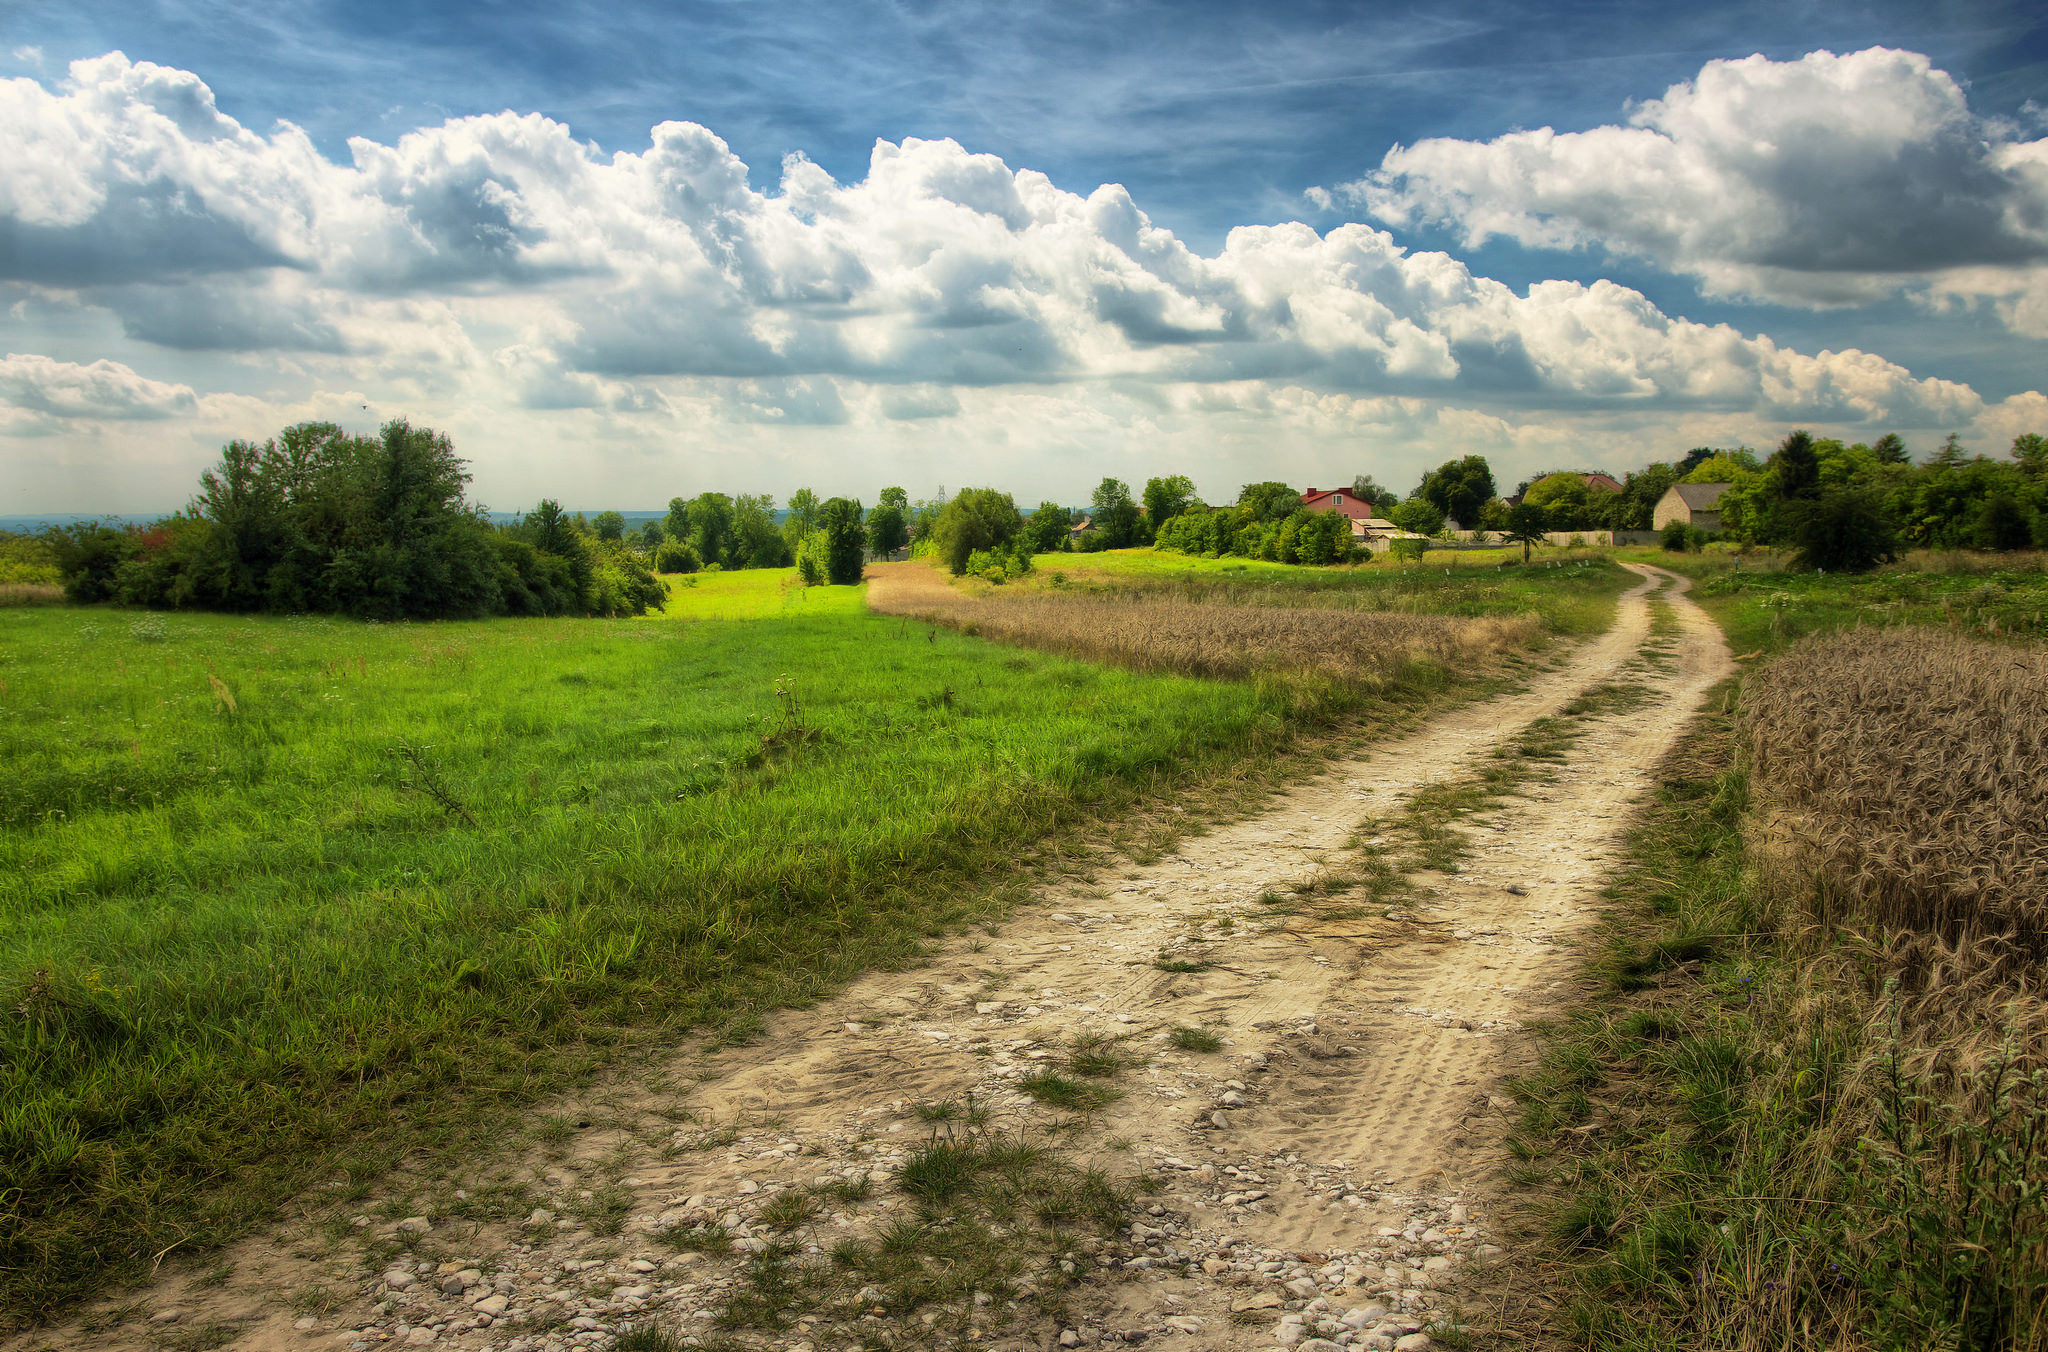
(289, 895)
(751, 594)
(284, 895)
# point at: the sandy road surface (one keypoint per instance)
(1319, 1169)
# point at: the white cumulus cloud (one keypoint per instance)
(1826, 180)
(103, 389)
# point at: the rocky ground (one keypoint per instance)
(1291, 1076)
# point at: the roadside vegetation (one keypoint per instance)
(1762, 604)
(1799, 1101)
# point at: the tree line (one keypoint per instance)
(1854, 505)
(379, 528)
(318, 519)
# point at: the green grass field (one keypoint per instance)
(751, 594)
(284, 897)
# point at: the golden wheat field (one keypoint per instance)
(1905, 776)
(1207, 638)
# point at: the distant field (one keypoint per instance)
(1569, 591)
(752, 594)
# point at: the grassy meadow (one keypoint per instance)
(1762, 607)
(287, 897)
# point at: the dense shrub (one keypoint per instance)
(1844, 531)
(674, 556)
(27, 560)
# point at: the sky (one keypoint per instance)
(626, 251)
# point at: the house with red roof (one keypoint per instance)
(1341, 500)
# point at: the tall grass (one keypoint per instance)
(1572, 591)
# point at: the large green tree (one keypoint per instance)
(710, 529)
(609, 526)
(1419, 515)
(977, 518)
(1459, 488)
(1115, 514)
(1565, 500)
(887, 531)
(1796, 464)
(1166, 498)
(802, 517)
(2030, 449)
(1270, 501)
(756, 541)
(839, 521)
(1047, 528)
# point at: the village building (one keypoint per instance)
(1696, 505)
(1341, 500)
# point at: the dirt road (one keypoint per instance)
(1318, 1168)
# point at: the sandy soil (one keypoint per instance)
(1326, 1161)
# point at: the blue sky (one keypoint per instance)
(1213, 117)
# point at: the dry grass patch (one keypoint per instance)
(1158, 632)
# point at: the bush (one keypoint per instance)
(1408, 551)
(2002, 523)
(1846, 531)
(1676, 537)
(810, 560)
(28, 560)
(674, 556)
(89, 555)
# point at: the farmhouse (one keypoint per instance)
(1341, 500)
(1694, 504)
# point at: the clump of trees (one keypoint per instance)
(1268, 521)
(1851, 506)
(379, 528)
(976, 521)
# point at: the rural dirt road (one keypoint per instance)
(1324, 1172)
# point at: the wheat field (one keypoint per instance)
(1905, 777)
